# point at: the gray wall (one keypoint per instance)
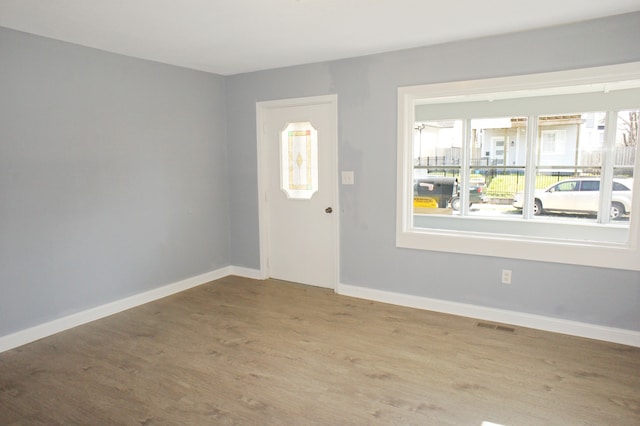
(113, 177)
(367, 90)
(119, 175)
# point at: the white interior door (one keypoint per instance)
(298, 210)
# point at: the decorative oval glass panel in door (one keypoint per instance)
(299, 160)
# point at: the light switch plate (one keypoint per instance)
(347, 178)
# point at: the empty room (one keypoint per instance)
(167, 169)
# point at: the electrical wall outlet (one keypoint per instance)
(347, 178)
(506, 276)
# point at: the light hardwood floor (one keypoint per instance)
(239, 351)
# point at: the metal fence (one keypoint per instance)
(502, 181)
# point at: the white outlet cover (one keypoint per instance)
(347, 178)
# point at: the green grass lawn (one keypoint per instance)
(505, 186)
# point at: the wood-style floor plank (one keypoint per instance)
(239, 351)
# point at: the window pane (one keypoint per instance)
(437, 152)
(624, 155)
(437, 144)
(496, 168)
(569, 164)
(299, 160)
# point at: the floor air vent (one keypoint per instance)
(496, 327)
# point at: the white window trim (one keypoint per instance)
(609, 255)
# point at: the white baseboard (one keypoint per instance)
(28, 335)
(615, 335)
(240, 271)
(573, 328)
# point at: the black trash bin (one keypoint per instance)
(439, 188)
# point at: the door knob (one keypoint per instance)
(328, 210)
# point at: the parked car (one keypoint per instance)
(437, 191)
(476, 196)
(580, 195)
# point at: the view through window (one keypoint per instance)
(552, 164)
(568, 167)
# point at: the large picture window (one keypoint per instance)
(537, 167)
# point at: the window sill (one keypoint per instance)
(598, 254)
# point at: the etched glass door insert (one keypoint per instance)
(299, 160)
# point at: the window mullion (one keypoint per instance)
(530, 166)
(406, 119)
(464, 167)
(606, 173)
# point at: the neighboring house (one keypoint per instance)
(565, 140)
(559, 136)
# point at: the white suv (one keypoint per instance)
(580, 195)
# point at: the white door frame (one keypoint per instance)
(263, 177)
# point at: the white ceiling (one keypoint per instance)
(235, 36)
